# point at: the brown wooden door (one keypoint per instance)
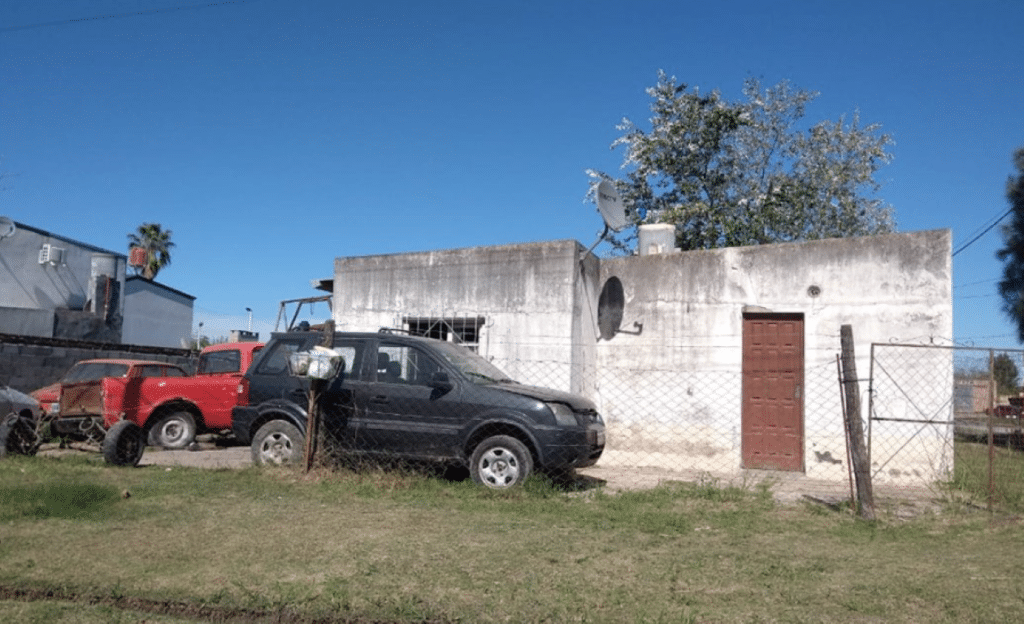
(773, 379)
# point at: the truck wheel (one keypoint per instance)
(17, 437)
(175, 430)
(277, 442)
(124, 444)
(500, 462)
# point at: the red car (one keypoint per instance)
(94, 370)
(166, 408)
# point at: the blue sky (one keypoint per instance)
(272, 136)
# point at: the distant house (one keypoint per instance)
(721, 360)
(53, 286)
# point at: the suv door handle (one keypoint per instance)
(380, 398)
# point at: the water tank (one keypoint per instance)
(105, 285)
(656, 238)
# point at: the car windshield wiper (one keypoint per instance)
(484, 377)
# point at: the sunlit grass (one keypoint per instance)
(409, 545)
(971, 474)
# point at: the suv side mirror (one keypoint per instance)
(441, 381)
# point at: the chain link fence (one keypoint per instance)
(950, 418)
(668, 418)
(940, 419)
(674, 416)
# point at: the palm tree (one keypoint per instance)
(157, 243)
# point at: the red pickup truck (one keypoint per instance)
(169, 409)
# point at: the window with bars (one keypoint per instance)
(464, 330)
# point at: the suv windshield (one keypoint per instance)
(476, 368)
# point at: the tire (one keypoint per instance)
(17, 437)
(124, 444)
(174, 431)
(500, 462)
(278, 442)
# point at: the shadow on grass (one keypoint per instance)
(393, 470)
(56, 500)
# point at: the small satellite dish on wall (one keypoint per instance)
(7, 228)
(609, 308)
(610, 206)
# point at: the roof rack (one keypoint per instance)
(394, 330)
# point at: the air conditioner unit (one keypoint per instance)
(51, 255)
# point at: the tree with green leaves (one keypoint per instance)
(157, 243)
(1005, 373)
(1011, 287)
(744, 173)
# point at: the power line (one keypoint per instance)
(983, 232)
(117, 15)
(978, 283)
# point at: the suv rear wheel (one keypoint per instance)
(501, 462)
(277, 442)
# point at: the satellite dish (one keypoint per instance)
(7, 228)
(610, 205)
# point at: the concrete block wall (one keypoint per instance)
(29, 362)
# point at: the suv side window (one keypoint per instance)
(403, 364)
(352, 351)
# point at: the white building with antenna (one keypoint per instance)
(720, 360)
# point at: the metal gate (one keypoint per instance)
(923, 397)
(911, 413)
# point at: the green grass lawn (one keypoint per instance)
(971, 474)
(82, 541)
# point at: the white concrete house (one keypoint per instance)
(719, 361)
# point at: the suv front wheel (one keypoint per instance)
(501, 462)
(277, 442)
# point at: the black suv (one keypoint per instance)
(418, 398)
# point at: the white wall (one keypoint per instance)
(677, 386)
(528, 294)
(671, 392)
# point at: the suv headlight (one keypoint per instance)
(564, 415)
